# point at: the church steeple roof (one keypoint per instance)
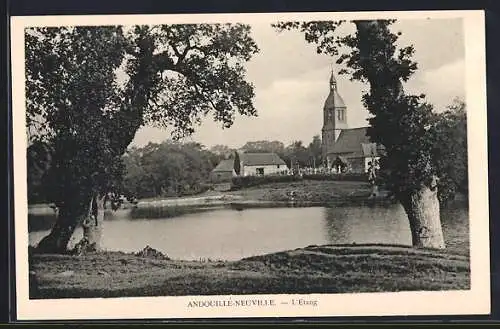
(334, 100)
(333, 81)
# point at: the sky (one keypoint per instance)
(292, 82)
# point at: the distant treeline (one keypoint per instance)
(179, 169)
(170, 169)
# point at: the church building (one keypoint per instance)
(344, 149)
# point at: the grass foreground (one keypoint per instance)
(313, 269)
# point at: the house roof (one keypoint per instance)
(261, 159)
(225, 166)
(354, 143)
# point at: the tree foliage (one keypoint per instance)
(38, 161)
(167, 169)
(222, 151)
(237, 163)
(314, 149)
(400, 121)
(263, 146)
(171, 76)
(89, 89)
(71, 89)
(450, 150)
(298, 155)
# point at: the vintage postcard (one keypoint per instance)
(250, 165)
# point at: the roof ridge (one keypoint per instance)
(357, 128)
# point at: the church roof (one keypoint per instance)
(369, 149)
(224, 166)
(334, 100)
(261, 159)
(354, 143)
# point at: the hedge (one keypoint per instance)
(240, 182)
(356, 177)
(248, 181)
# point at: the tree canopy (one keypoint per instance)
(399, 121)
(263, 146)
(450, 150)
(90, 88)
(167, 169)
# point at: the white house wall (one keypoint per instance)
(268, 169)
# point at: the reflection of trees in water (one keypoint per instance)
(389, 225)
(42, 222)
(380, 224)
(455, 221)
(336, 224)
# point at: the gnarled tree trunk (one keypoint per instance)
(72, 213)
(93, 225)
(422, 208)
(69, 216)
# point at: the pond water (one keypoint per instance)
(231, 234)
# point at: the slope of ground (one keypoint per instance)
(314, 269)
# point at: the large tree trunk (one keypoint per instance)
(422, 208)
(58, 239)
(89, 214)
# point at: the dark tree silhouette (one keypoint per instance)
(237, 163)
(89, 89)
(401, 122)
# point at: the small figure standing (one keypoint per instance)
(372, 177)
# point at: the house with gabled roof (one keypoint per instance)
(223, 172)
(345, 148)
(260, 164)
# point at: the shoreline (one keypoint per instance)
(303, 193)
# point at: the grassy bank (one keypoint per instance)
(314, 269)
(313, 191)
(307, 190)
(277, 194)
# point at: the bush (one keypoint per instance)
(197, 189)
(355, 177)
(249, 181)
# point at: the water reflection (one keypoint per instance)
(381, 224)
(233, 234)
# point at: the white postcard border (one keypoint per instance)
(474, 301)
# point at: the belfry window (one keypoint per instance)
(340, 115)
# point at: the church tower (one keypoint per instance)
(334, 119)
